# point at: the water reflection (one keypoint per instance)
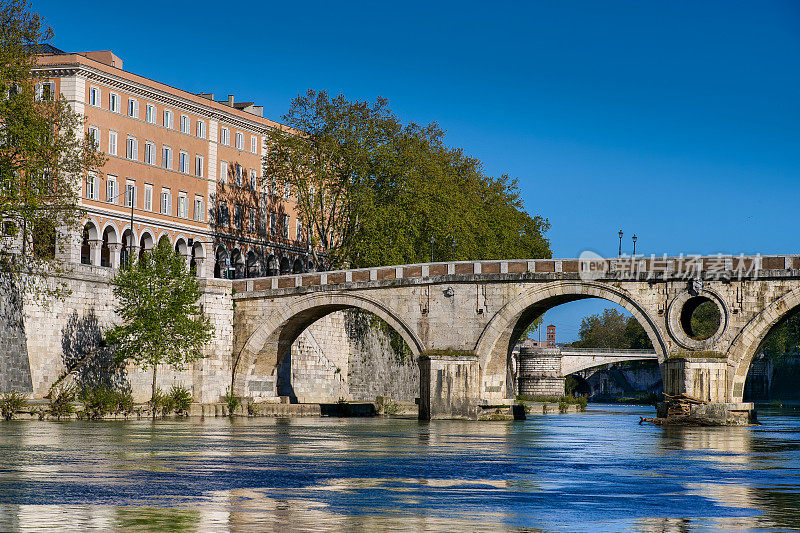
(594, 471)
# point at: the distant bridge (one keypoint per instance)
(542, 371)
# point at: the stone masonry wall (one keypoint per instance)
(376, 370)
(330, 361)
(613, 381)
(318, 363)
(52, 325)
(15, 372)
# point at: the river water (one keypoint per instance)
(594, 471)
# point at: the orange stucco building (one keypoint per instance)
(183, 167)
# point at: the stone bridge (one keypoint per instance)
(463, 318)
(542, 371)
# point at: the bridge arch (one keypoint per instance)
(744, 346)
(506, 327)
(274, 337)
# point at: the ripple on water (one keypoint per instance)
(598, 471)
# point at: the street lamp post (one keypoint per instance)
(634, 244)
(619, 254)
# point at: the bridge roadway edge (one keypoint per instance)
(752, 312)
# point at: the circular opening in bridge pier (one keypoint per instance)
(700, 318)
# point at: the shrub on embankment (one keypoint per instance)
(562, 401)
(11, 404)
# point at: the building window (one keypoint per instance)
(150, 114)
(198, 165)
(130, 193)
(111, 188)
(133, 108)
(166, 157)
(222, 214)
(183, 162)
(287, 191)
(225, 136)
(299, 231)
(112, 142)
(45, 90)
(223, 172)
(253, 179)
(199, 209)
(285, 227)
(273, 223)
(184, 124)
(237, 216)
(168, 118)
(238, 175)
(132, 150)
(91, 186)
(183, 206)
(262, 216)
(201, 129)
(113, 102)
(149, 153)
(94, 135)
(240, 140)
(252, 222)
(254, 144)
(166, 201)
(94, 96)
(148, 196)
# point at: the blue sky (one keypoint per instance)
(677, 121)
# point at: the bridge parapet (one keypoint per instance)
(600, 269)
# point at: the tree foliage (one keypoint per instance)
(705, 320)
(784, 338)
(376, 192)
(43, 150)
(161, 321)
(612, 329)
(532, 330)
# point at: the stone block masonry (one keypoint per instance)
(33, 348)
(325, 363)
(15, 370)
(345, 356)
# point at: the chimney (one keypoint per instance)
(106, 57)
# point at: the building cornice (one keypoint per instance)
(147, 92)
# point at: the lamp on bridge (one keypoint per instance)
(620, 244)
(634, 244)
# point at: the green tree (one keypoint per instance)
(532, 330)
(612, 329)
(43, 150)
(376, 192)
(705, 320)
(784, 338)
(635, 336)
(161, 321)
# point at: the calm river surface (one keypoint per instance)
(595, 471)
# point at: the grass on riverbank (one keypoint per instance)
(562, 401)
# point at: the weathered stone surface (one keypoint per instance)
(50, 325)
(444, 306)
(15, 369)
(448, 387)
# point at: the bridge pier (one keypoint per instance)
(448, 387)
(539, 372)
(706, 379)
